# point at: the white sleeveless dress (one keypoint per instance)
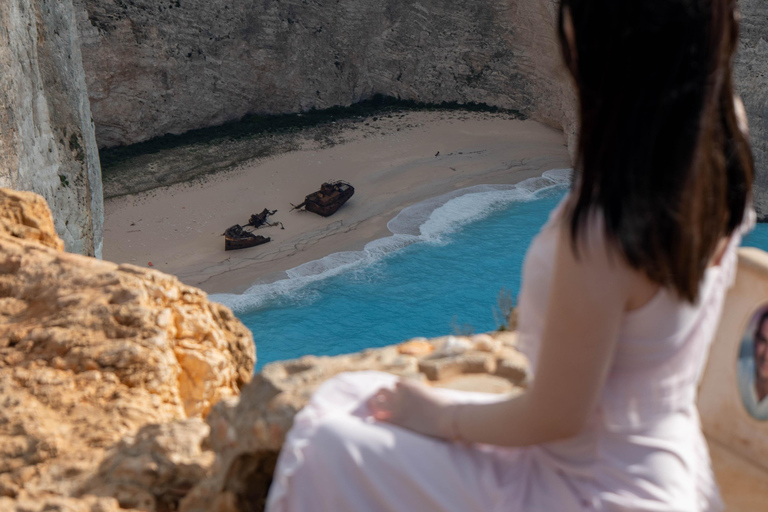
(642, 450)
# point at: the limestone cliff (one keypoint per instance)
(89, 353)
(47, 141)
(168, 67)
(159, 67)
(752, 84)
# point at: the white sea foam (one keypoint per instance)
(427, 221)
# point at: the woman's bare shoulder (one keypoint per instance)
(598, 254)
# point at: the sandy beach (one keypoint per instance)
(393, 162)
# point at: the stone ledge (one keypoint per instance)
(250, 431)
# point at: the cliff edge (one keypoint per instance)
(91, 352)
(47, 141)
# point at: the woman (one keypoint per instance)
(622, 291)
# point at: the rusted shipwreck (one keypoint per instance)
(328, 199)
(237, 237)
(259, 220)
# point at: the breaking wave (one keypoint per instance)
(428, 221)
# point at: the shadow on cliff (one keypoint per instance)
(196, 154)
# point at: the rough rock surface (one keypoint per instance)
(171, 66)
(156, 468)
(26, 216)
(247, 433)
(752, 84)
(90, 352)
(47, 141)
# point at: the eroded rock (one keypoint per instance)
(156, 468)
(89, 353)
(26, 216)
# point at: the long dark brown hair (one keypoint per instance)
(660, 154)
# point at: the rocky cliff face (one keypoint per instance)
(90, 352)
(168, 67)
(47, 141)
(159, 67)
(752, 84)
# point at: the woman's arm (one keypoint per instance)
(588, 297)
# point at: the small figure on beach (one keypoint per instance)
(328, 199)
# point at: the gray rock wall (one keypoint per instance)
(752, 84)
(47, 141)
(155, 67)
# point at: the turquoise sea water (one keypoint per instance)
(441, 273)
(758, 237)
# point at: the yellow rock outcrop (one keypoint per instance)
(90, 352)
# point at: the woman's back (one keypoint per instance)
(641, 448)
(609, 422)
(644, 440)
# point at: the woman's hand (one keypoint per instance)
(414, 406)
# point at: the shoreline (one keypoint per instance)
(414, 224)
(396, 163)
